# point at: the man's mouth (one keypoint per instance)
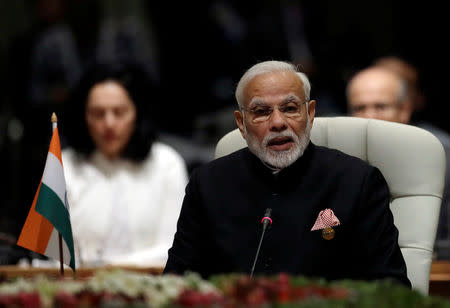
(109, 136)
(280, 143)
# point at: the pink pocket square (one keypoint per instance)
(326, 219)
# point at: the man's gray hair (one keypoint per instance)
(403, 91)
(269, 67)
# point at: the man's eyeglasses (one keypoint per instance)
(262, 112)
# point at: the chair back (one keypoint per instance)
(412, 161)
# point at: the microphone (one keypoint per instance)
(266, 221)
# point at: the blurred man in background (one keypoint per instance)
(379, 94)
(388, 91)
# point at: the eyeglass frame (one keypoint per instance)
(287, 101)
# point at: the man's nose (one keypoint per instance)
(110, 119)
(277, 121)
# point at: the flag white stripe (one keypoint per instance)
(52, 249)
(54, 176)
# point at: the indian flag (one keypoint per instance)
(49, 213)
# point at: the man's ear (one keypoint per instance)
(405, 112)
(311, 110)
(240, 121)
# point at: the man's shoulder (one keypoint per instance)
(335, 165)
(338, 159)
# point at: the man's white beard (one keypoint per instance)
(279, 159)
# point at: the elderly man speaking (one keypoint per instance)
(330, 211)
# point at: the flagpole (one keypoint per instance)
(54, 120)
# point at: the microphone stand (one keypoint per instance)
(266, 222)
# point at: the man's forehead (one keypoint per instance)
(278, 85)
(374, 92)
(285, 98)
(375, 79)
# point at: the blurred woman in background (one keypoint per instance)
(124, 188)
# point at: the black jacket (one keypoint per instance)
(220, 222)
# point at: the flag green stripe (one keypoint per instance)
(50, 206)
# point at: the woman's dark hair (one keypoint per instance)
(142, 92)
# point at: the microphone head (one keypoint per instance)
(266, 219)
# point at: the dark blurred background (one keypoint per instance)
(195, 52)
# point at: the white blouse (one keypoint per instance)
(124, 213)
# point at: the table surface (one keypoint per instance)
(440, 278)
(440, 270)
(12, 271)
(439, 274)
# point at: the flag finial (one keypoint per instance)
(54, 118)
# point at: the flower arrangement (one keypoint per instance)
(119, 288)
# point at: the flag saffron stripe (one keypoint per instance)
(36, 231)
(55, 147)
